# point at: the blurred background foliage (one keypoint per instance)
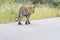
(51, 3)
(9, 9)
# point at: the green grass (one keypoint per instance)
(9, 12)
(45, 12)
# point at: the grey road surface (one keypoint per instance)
(43, 29)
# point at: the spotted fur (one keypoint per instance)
(25, 11)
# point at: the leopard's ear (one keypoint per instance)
(34, 7)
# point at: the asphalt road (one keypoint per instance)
(43, 29)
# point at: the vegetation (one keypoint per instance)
(9, 9)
